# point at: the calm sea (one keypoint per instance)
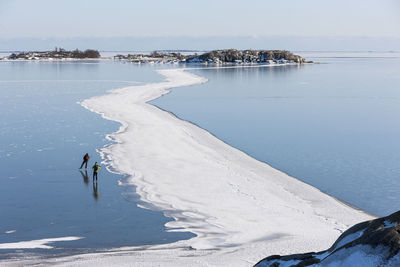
(44, 134)
(333, 125)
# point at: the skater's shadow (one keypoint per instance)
(95, 190)
(85, 177)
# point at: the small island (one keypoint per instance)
(56, 54)
(224, 56)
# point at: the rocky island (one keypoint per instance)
(57, 54)
(224, 56)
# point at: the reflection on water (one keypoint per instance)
(95, 189)
(85, 177)
(332, 125)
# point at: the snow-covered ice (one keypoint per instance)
(361, 256)
(240, 209)
(40, 243)
(350, 238)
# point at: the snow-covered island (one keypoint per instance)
(57, 54)
(224, 56)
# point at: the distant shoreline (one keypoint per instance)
(222, 56)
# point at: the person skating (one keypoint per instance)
(96, 169)
(85, 161)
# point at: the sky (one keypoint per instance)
(77, 19)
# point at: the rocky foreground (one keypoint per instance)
(370, 243)
(225, 56)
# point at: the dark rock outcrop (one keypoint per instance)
(374, 243)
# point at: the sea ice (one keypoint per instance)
(40, 243)
(240, 209)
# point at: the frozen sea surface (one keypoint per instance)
(43, 136)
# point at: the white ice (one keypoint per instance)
(350, 238)
(40, 243)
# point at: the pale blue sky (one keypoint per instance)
(256, 18)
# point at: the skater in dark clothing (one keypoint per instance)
(96, 169)
(85, 160)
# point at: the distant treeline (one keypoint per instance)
(56, 54)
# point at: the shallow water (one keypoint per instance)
(333, 125)
(43, 135)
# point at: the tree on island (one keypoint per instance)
(90, 53)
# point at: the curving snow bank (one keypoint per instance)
(237, 206)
